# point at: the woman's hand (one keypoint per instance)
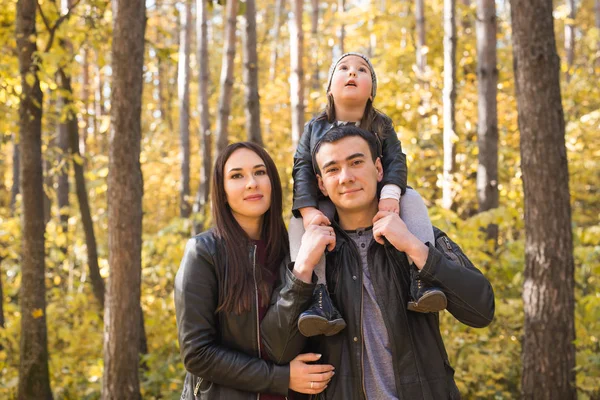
(309, 378)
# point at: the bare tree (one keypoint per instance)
(314, 26)
(226, 80)
(342, 32)
(548, 290)
(297, 69)
(121, 337)
(487, 125)
(183, 91)
(16, 162)
(34, 381)
(250, 74)
(279, 8)
(203, 195)
(449, 101)
(570, 37)
(420, 48)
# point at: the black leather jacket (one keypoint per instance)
(306, 189)
(421, 366)
(221, 351)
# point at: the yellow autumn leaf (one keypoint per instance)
(37, 313)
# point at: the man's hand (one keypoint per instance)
(388, 225)
(309, 217)
(391, 205)
(314, 242)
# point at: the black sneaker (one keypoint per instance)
(321, 318)
(425, 299)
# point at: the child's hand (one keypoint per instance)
(313, 216)
(391, 205)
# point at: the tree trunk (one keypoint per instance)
(34, 381)
(203, 195)
(548, 349)
(125, 187)
(342, 16)
(227, 75)
(183, 90)
(16, 161)
(297, 69)
(598, 27)
(449, 102)
(570, 38)
(421, 52)
(487, 124)
(86, 99)
(279, 8)
(314, 26)
(72, 133)
(2, 322)
(62, 191)
(250, 75)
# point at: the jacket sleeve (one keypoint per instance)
(306, 189)
(196, 297)
(279, 328)
(394, 160)
(469, 293)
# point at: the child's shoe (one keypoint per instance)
(425, 299)
(321, 318)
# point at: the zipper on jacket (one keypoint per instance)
(256, 298)
(197, 388)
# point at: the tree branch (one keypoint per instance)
(59, 21)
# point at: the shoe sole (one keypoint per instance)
(314, 326)
(430, 302)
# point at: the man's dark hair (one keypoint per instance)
(343, 131)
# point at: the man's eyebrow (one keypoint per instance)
(240, 169)
(350, 157)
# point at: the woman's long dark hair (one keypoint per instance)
(372, 120)
(236, 291)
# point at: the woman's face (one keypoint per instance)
(247, 186)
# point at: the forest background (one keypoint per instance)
(74, 45)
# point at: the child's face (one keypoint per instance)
(351, 82)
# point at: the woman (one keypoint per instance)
(224, 284)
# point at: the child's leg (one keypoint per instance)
(413, 212)
(295, 232)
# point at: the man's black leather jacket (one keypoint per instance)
(221, 351)
(421, 366)
(306, 189)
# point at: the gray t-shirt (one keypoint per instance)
(377, 357)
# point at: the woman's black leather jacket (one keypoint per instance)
(221, 351)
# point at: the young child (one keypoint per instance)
(351, 88)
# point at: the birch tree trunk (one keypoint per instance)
(250, 75)
(570, 38)
(297, 69)
(16, 169)
(549, 331)
(226, 80)
(449, 102)
(341, 16)
(125, 186)
(314, 28)
(279, 8)
(421, 49)
(487, 124)
(34, 381)
(183, 93)
(203, 195)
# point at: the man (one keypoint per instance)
(386, 351)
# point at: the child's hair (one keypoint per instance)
(372, 120)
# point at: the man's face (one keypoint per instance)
(349, 176)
